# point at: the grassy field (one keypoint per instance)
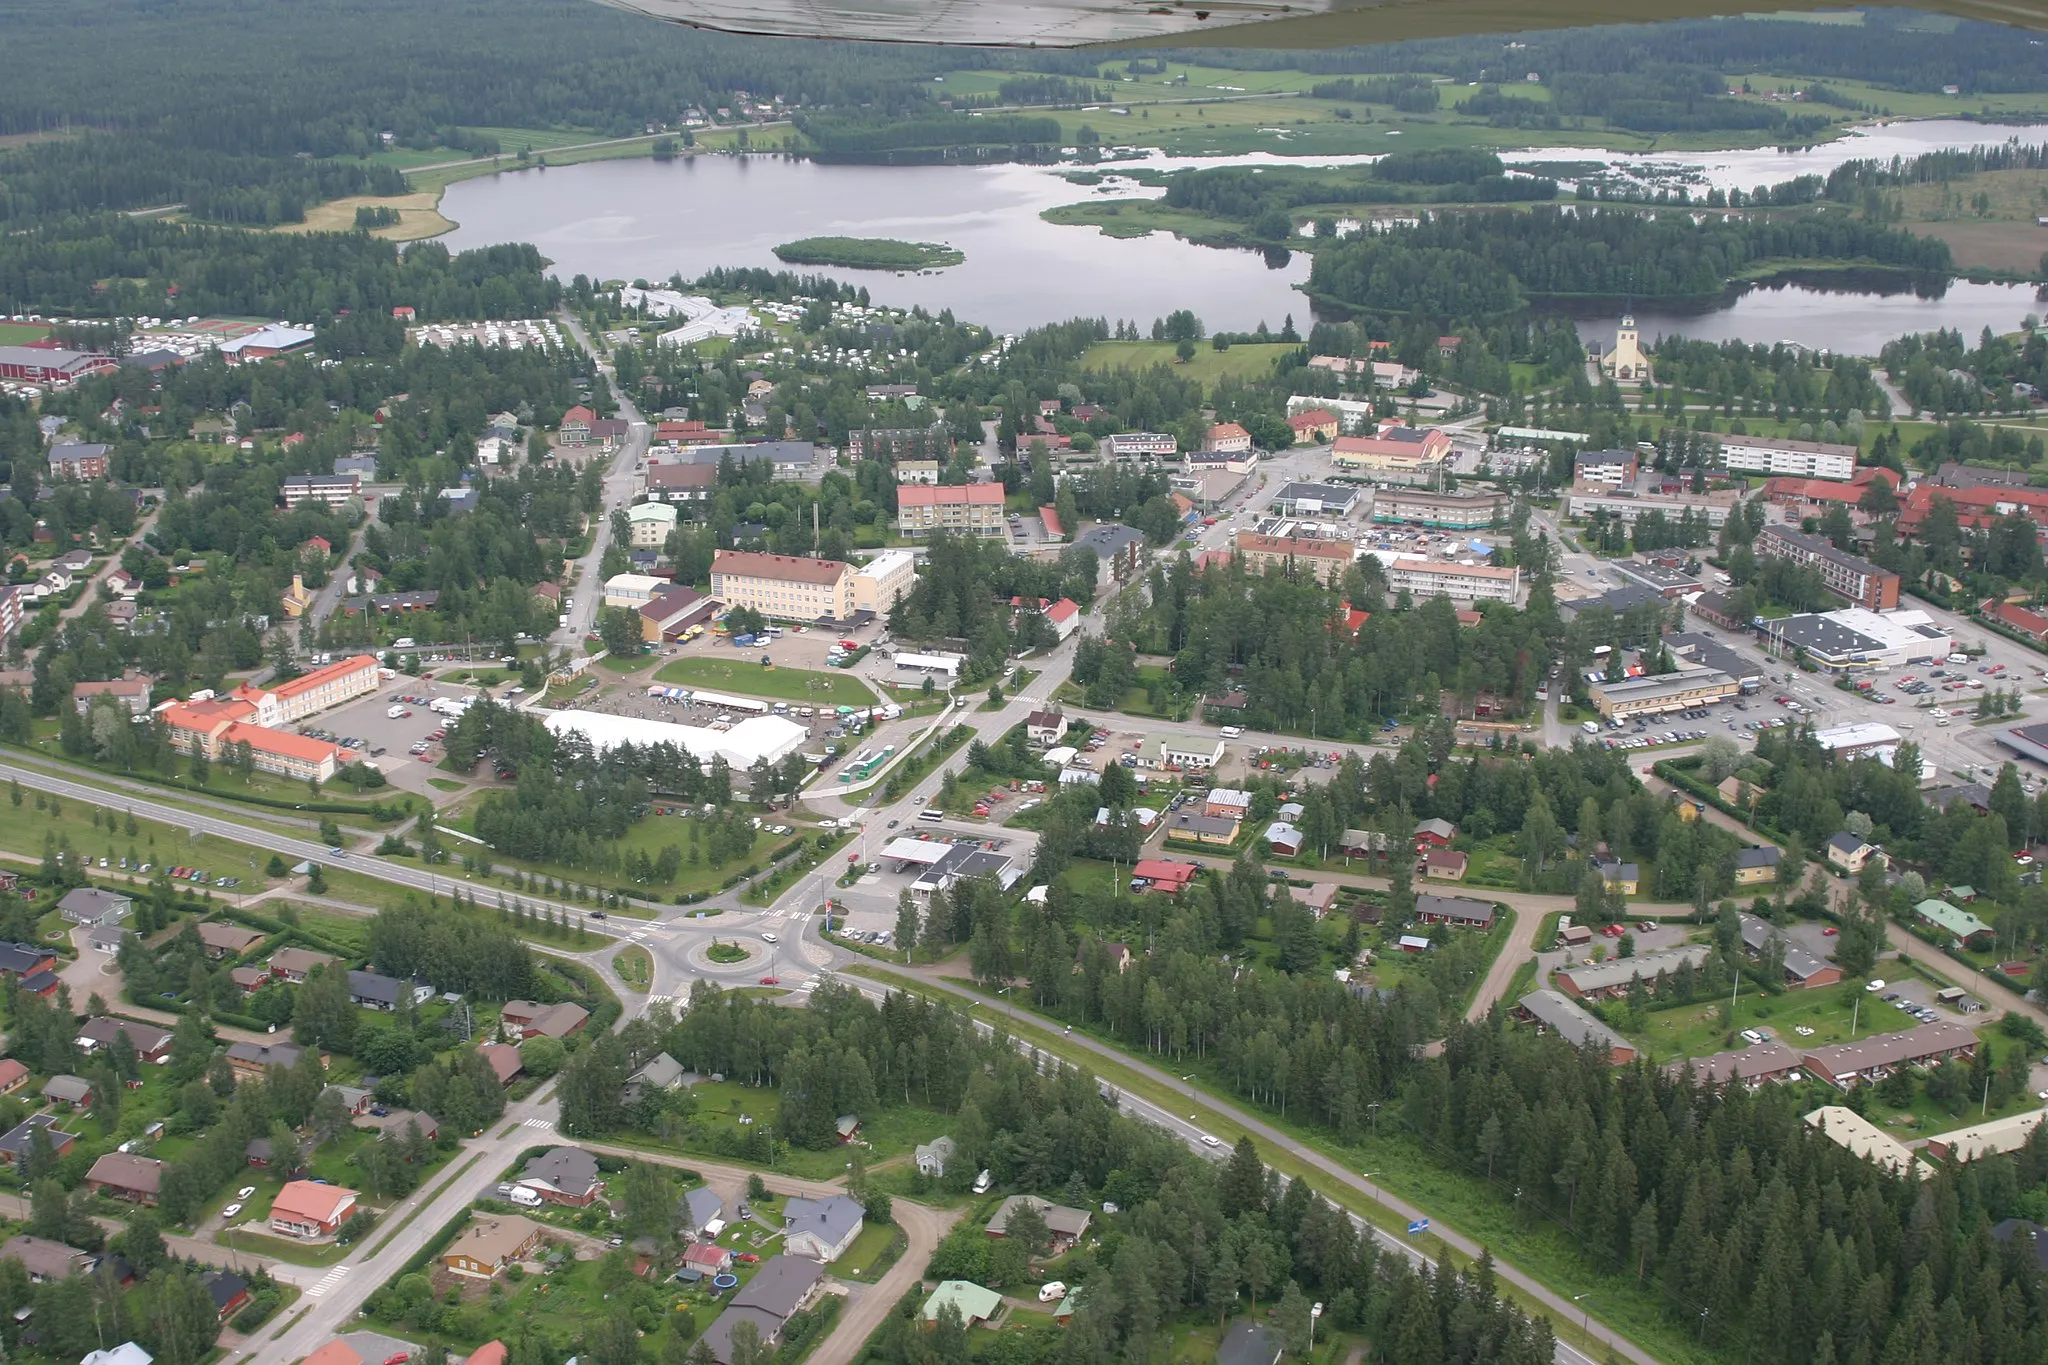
(859, 1261)
(891, 1132)
(745, 677)
(1695, 1030)
(419, 216)
(635, 967)
(1248, 361)
(1137, 218)
(23, 827)
(17, 333)
(649, 835)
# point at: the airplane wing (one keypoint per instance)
(1215, 23)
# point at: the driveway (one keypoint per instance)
(868, 1304)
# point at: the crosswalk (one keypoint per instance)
(327, 1282)
(654, 1000)
(538, 1123)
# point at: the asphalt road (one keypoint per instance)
(583, 583)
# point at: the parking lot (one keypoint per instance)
(366, 727)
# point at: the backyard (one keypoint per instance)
(1835, 1014)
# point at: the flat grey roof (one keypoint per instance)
(1817, 634)
(1698, 648)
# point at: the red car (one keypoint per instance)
(1614, 931)
(749, 1257)
(771, 981)
(397, 1358)
(1830, 931)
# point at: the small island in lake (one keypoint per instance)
(869, 253)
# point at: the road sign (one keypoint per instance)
(1419, 1225)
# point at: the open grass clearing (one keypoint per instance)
(419, 216)
(744, 675)
(1251, 360)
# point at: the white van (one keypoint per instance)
(982, 1182)
(524, 1197)
(394, 713)
(403, 642)
(1232, 731)
(1591, 727)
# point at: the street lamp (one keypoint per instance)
(1585, 1318)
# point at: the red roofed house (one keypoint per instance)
(2031, 624)
(1228, 438)
(1051, 518)
(1326, 559)
(307, 1210)
(708, 1258)
(334, 1353)
(1064, 616)
(1314, 425)
(575, 428)
(1160, 874)
(1802, 498)
(402, 311)
(973, 509)
(1976, 508)
(13, 1076)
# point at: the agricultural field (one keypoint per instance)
(1251, 360)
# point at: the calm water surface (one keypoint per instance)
(643, 219)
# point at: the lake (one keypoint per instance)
(645, 219)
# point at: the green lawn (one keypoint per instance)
(1247, 361)
(744, 676)
(1695, 1030)
(865, 1259)
(890, 1132)
(18, 333)
(23, 827)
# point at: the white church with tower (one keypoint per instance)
(1625, 362)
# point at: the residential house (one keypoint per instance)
(1624, 879)
(120, 1175)
(249, 979)
(335, 1353)
(1434, 834)
(228, 1291)
(707, 1258)
(127, 1353)
(227, 940)
(1064, 616)
(1803, 969)
(821, 1228)
(13, 1076)
(1758, 865)
(1314, 426)
(1201, 829)
(662, 1072)
(1557, 1013)
(1454, 910)
(1231, 803)
(1445, 865)
(490, 1243)
(1159, 874)
(564, 1175)
(1850, 852)
(131, 692)
(525, 1019)
(969, 1301)
(151, 1043)
(1616, 976)
(1284, 840)
(73, 1092)
(43, 1259)
(90, 905)
(1846, 1064)
(296, 964)
(959, 509)
(703, 1208)
(1066, 1225)
(19, 960)
(1227, 438)
(372, 990)
(306, 1210)
(783, 1287)
(931, 1157)
(1962, 928)
(1044, 728)
(504, 1059)
(256, 1059)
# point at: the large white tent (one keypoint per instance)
(752, 740)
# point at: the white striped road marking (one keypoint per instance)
(328, 1281)
(539, 1123)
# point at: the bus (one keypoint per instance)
(933, 816)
